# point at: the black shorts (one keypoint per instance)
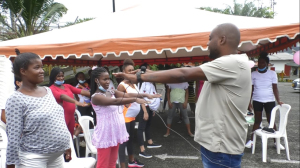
(268, 106)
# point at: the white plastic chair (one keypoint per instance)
(3, 125)
(3, 147)
(84, 121)
(88, 162)
(79, 136)
(281, 133)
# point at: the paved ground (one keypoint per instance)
(176, 146)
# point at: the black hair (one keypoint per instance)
(89, 72)
(121, 68)
(127, 62)
(145, 64)
(264, 55)
(76, 76)
(54, 72)
(95, 74)
(22, 61)
(19, 80)
(106, 68)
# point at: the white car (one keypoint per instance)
(296, 84)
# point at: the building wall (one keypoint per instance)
(279, 65)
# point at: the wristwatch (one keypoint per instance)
(138, 74)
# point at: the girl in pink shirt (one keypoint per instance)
(110, 130)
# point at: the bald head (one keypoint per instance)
(223, 40)
(230, 32)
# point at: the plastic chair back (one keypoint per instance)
(3, 125)
(73, 153)
(284, 110)
(3, 147)
(78, 162)
(78, 114)
(84, 121)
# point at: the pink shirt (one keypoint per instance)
(110, 129)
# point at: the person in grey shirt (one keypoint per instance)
(221, 128)
(36, 129)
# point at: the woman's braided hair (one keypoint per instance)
(94, 75)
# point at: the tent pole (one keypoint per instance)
(114, 9)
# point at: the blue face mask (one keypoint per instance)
(261, 70)
(59, 83)
(81, 81)
(101, 88)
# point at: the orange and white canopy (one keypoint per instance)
(144, 32)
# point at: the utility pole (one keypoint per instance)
(273, 3)
(113, 1)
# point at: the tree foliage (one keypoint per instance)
(19, 18)
(246, 9)
(77, 21)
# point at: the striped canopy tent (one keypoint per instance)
(156, 34)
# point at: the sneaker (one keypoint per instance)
(153, 145)
(180, 121)
(249, 144)
(145, 155)
(250, 113)
(281, 147)
(135, 163)
(166, 135)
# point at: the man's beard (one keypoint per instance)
(214, 54)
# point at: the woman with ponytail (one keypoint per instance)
(110, 130)
(130, 111)
(64, 95)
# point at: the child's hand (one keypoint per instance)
(170, 105)
(184, 105)
(80, 104)
(146, 116)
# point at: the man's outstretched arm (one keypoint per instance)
(169, 76)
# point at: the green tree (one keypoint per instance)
(19, 18)
(246, 9)
(77, 21)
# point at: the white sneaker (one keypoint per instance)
(281, 147)
(249, 144)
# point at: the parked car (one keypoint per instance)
(296, 84)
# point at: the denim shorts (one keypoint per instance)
(220, 160)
